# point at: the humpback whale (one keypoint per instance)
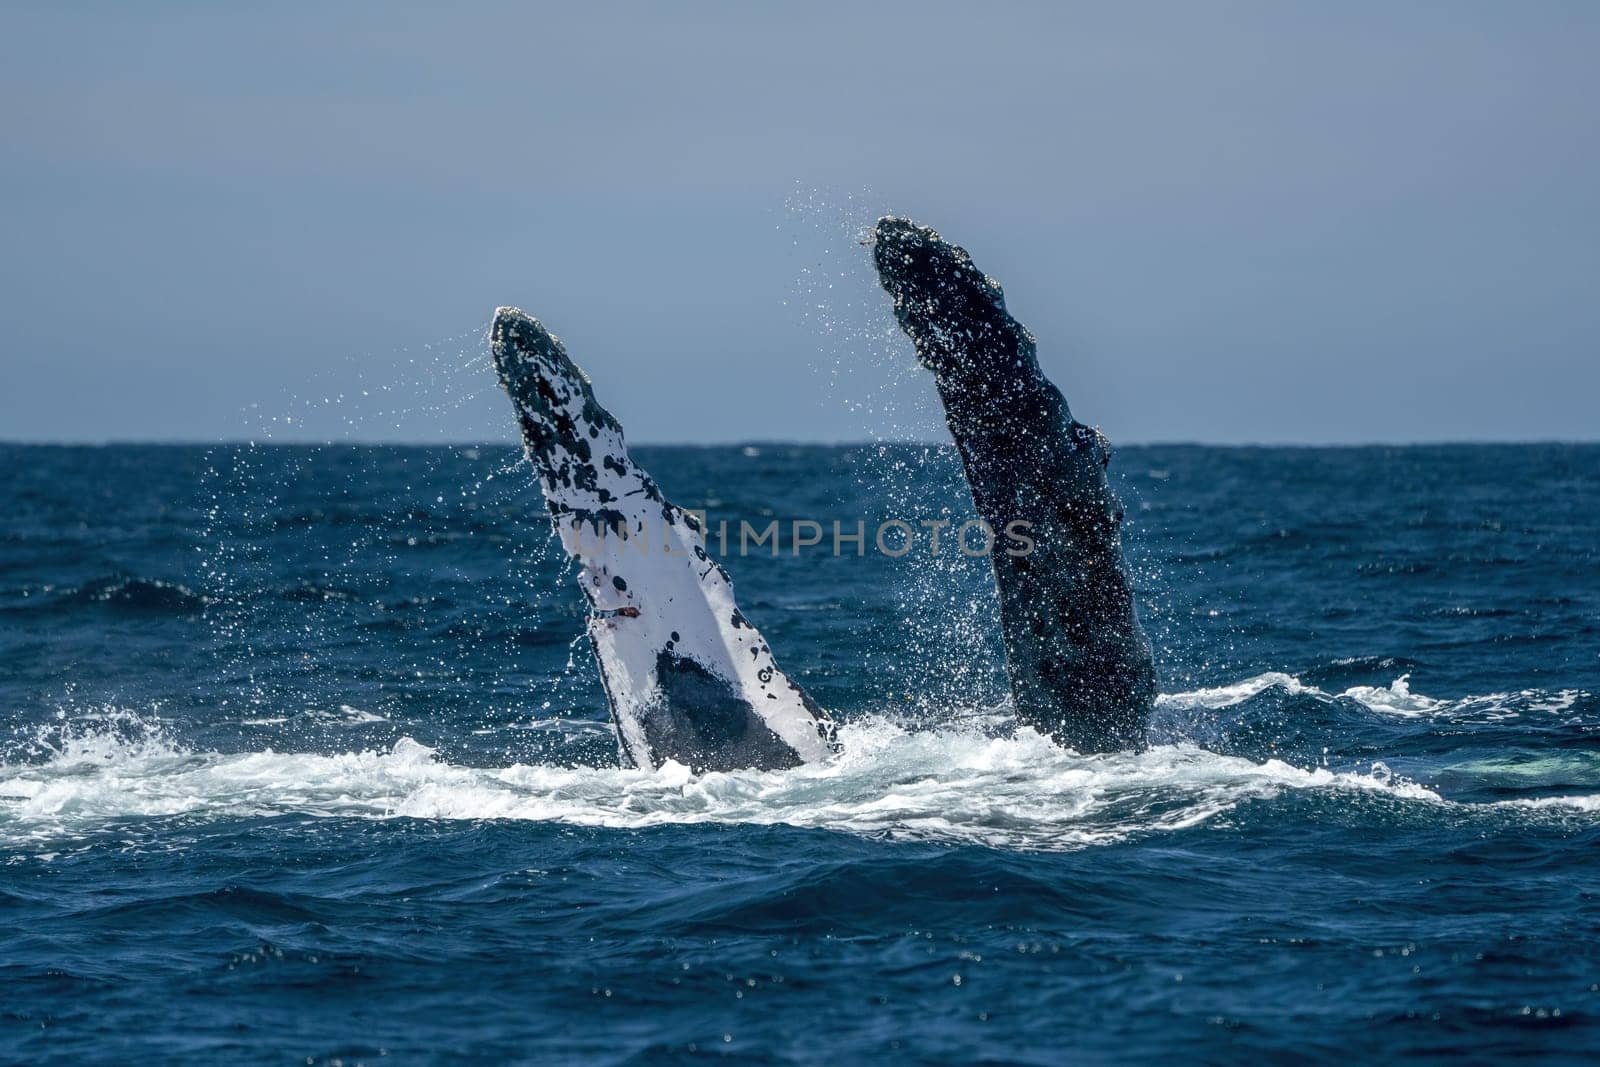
(687, 676)
(1079, 664)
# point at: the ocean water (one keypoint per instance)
(304, 760)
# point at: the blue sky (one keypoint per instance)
(1224, 222)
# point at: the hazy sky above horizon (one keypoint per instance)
(1275, 222)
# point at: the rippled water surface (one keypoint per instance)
(304, 760)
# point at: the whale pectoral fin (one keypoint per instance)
(1080, 666)
(672, 646)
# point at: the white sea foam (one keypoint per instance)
(1225, 696)
(1395, 698)
(1587, 803)
(957, 785)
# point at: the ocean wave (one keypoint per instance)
(1394, 699)
(122, 593)
(343, 715)
(950, 785)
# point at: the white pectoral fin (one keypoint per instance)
(675, 654)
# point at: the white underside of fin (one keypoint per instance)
(644, 567)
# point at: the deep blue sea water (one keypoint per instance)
(303, 762)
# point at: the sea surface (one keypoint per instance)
(304, 759)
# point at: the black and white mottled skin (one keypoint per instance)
(1080, 666)
(689, 679)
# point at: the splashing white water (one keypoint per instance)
(959, 785)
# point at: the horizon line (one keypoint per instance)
(755, 442)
